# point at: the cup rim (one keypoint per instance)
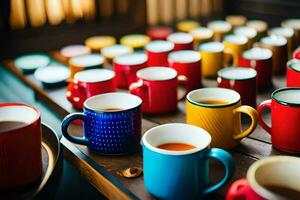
(220, 44)
(140, 73)
(284, 102)
(85, 106)
(291, 62)
(152, 46)
(188, 97)
(76, 60)
(139, 59)
(268, 51)
(220, 73)
(253, 168)
(173, 37)
(175, 153)
(196, 56)
(111, 75)
(38, 115)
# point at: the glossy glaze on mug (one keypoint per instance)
(158, 51)
(293, 73)
(182, 41)
(234, 45)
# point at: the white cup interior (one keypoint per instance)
(131, 59)
(237, 73)
(202, 32)
(18, 113)
(185, 56)
(257, 53)
(157, 73)
(180, 38)
(119, 100)
(74, 50)
(212, 47)
(258, 25)
(292, 23)
(89, 60)
(116, 50)
(236, 39)
(176, 133)
(219, 26)
(160, 46)
(248, 32)
(290, 96)
(274, 40)
(282, 31)
(275, 171)
(94, 75)
(209, 94)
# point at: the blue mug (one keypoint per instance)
(111, 123)
(170, 174)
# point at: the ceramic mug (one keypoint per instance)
(159, 32)
(278, 46)
(20, 146)
(265, 178)
(260, 26)
(220, 29)
(182, 41)
(126, 67)
(242, 80)
(293, 73)
(234, 45)
(187, 63)
(296, 53)
(111, 123)
(285, 114)
(259, 59)
(286, 32)
(90, 83)
(201, 34)
(247, 32)
(158, 51)
(85, 62)
(181, 174)
(293, 23)
(218, 110)
(212, 58)
(236, 20)
(157, 87)
(111, 52)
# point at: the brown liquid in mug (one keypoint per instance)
(10, 125)
(111, 109)
(176, 146)
(214, 102)
(282, 191)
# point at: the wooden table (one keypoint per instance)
(102, 171)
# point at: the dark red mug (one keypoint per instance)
(259, 59)
(285, 115)
(157, 87)
(187, 63)
(126, 67)
(159, 32)
(89, 83)
(158, 51)
(293, 73)
(242, 80)
(20, 146)
(296, 53)
(182, 41)
(241, 190)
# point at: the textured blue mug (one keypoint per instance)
(106, 130)
(181, 174)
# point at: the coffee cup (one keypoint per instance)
(236, 20)
(248, 32)
(296, 53)
(111, 52)
(220, 29)
(276, 177)
(218, 110)
(20, 146)
(285, 112)
(111, 123)
(293, 73)
(260, 26)
(286, 32)
(90, 83)
(201, 34)
(176, 172)
(181, 41)
(158, 51)
(234, 45)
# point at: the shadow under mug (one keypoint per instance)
(285, 115)
(181, 174)
(20, 146)
(111, 123)
(265, 174)
(221, 116)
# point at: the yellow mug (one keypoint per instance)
(218, 111)
(220, 28)
(234, 45)
(212, 61)
(201, 35)
(248, 32)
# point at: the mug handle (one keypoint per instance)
(251, 112)
(263, 105)
(226, 159)
(228, 54)
(184, 79)
(65, 124)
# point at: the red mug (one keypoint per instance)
(126, 67)
(242, 80)
(296, 53)
(182, 41)
(188, 66)
(20, 146)
(293, 73)
(266, 178)
(90, 83)
(285, 115)
(157, 87)
(159, 32)
(158, 51)
(259, 59)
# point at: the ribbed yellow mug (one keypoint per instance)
(218, 111)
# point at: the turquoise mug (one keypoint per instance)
(184, 174)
